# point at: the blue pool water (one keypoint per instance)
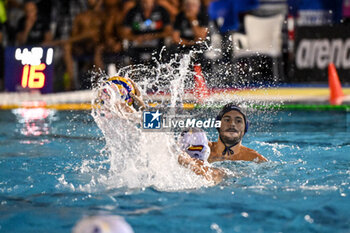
(54, 170)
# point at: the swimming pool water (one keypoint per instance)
(48, 178)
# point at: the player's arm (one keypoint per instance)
(138, 104)
(197, 166)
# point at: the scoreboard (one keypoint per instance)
(29, 68)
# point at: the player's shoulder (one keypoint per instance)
(252, 154)
(248, 150)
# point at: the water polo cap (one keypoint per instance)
(195, 143)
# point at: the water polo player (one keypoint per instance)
(121, 93)
(194, 143)
(234, 125)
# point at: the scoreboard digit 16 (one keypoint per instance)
(29, 68)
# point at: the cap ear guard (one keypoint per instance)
(246, 126)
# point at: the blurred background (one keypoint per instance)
(53, 46)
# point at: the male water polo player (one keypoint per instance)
(234, 125)
(122, 93)
(194, 144)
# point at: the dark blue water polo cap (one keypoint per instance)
(232, 107)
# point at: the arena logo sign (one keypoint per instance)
(318, 53)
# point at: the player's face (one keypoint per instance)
(232, 127)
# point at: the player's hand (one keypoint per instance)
(138, 102)
(137, 90)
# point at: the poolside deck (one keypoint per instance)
(80, 100)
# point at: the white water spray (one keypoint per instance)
(144, 159)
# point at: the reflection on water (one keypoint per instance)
(34, 122)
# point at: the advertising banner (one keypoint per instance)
(316, 47)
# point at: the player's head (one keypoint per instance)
(195, 143)
(234, 124)
(118, 86)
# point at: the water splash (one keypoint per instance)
(139, 159)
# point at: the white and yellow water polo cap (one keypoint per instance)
(194, 142)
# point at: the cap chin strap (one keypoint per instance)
(227, 148)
